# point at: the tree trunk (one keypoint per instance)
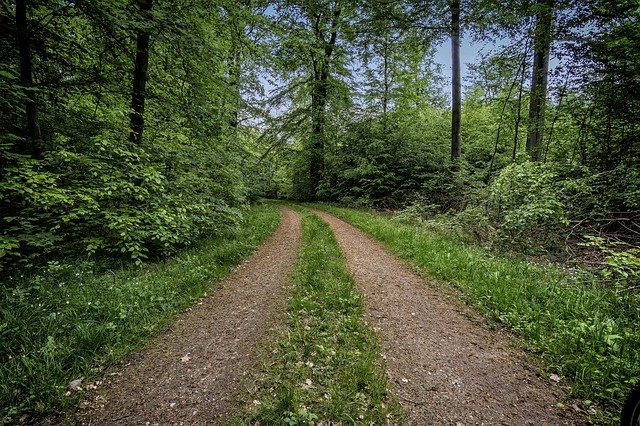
(318, 104)
(385, 95)
(319, 94)
(32, 143)
(140, 79)
(456, 96)
(541, 48)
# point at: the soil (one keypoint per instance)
(195, 372)
(445, 364)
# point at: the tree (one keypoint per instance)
(32, 145)
(456, 96)
(138, 94)
(540, 75)
(325, 21)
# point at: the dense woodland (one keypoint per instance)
(131, 129)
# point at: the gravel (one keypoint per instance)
(196, 371)
(445, 364)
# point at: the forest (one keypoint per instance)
(133, 130)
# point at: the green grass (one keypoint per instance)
(67, 322)
(580, 329)
(327, 365)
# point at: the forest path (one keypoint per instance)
(193, 373)
(443, 363)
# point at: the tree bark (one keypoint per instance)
(319, 94)
(456, 96)
(539, 80)
(32, 142)
(140, 79)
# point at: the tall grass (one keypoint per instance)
(67, 322)
(327, 366)
(583, 331)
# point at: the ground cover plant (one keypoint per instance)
(327, 366)
(585, 333)
(65, 322)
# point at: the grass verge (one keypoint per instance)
(583, 331)
(66, 322)
(327, 366)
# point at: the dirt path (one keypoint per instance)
(446, 368)
(193, 373)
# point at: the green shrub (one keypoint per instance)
(524, 204)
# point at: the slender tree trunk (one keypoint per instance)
(555, 117)
(518, 117)
(456, 101)
(140, 79)
(385, 95)
(32, 143)
(539, 80)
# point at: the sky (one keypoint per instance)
(468, 53)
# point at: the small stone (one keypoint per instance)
(74, 385)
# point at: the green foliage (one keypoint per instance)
(326, 367)
(525, 202)
(92, 192)
(622, 266)
(586, 333)
(70, 320)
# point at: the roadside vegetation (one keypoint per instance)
(586, 334)
(327, 367)
(66, 321)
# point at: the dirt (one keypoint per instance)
(195, 372)
(445, 364)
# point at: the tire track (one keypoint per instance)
(194, 372)
(446, 368)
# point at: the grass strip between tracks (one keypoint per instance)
(327, 367)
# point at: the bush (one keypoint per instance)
(524, 204)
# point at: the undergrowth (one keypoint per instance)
(327, 366)
(583, 331)
(68, 322)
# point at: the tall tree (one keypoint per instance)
(32, 145)
(539, 79)
(140, 76)
(325, 23)
(456, 96)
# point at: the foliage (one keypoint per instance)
(586, 333)
(326, 366)
(622, 266)
(70, 320)
(525, 204)
(91, 191)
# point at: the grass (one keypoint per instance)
(581, 330)
(67, 322)
(327, 366)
